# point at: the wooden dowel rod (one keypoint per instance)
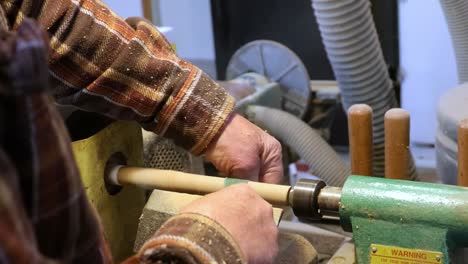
(195, 184)
(397, 125)
(360, 139)
(463, 153)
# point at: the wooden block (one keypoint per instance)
(294, 248)
(324, 241)
(345, 255)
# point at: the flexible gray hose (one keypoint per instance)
(456, 14)
(304, 140)
(350, 39)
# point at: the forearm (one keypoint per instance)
(99, 63)
(190, 238)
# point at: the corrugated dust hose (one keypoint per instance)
(350, 39)
(304, 140)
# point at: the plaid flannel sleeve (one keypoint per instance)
(99, 63)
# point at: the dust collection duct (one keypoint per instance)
(352, 45)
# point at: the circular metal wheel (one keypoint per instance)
(279, 64)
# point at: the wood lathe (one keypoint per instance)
(409, 216)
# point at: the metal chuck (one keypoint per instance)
(312, 199)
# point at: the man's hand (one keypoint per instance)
(246, 216)
(245, 151)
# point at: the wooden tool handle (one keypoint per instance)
(195, 184)
(360, 139)
(463, 153)
(397, 125)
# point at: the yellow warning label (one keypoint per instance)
(381, 254)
